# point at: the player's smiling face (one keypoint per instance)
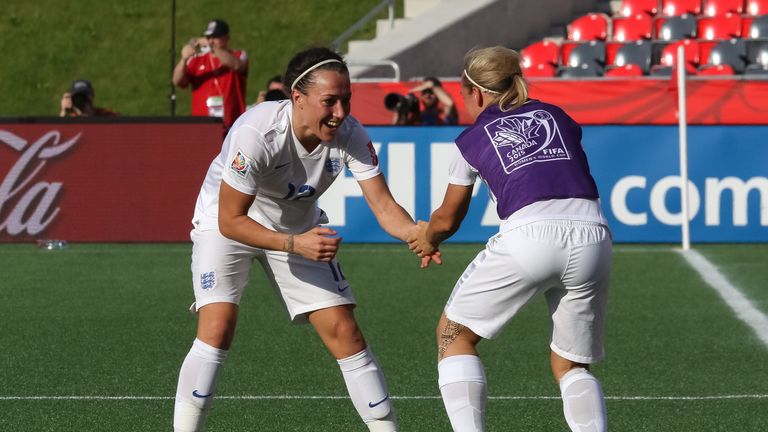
(318, 114)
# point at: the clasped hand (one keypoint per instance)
(421, 246)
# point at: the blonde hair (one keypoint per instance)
(496, 70)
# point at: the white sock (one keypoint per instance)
(462, 385)
(197, 382)
(583, 401)
(368, 391)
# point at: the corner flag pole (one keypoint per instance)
(683, 122)
(173, 56)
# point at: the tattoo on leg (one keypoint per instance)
(450, 332)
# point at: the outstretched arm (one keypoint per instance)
(235, 224)
(445, 221)
(390, 215)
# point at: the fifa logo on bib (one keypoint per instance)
(527, 138)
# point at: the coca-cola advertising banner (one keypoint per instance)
(88, 181)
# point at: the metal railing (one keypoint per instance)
(391, 63)
(364, 20)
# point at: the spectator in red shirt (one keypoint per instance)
(216, 72)
(78, 102)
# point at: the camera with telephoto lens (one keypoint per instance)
(80, 100)
(403, 105)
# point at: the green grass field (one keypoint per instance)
(123, 46)
(93, 336)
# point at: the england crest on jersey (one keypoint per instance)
(523, 139)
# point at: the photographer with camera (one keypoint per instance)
(405, 108)
(78, 102)
(217, 74)
(438, 107)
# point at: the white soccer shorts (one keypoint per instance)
(221, 268)
(568, 261)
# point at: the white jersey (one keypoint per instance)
(262, 157)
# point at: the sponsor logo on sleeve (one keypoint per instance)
(240, 165)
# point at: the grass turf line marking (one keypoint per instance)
(308, 397)
(741, 305)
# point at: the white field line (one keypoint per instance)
(309, 397)
(741, 305)
(188, 250)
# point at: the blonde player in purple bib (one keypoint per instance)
(553, 240)
(258, 203)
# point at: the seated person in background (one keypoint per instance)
(275, 87)
(438, 107)
(78, 102)
(274, 95)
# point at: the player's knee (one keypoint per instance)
(347, 332)
(217, 332)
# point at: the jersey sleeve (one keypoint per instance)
(361, 160)
(246, 159)
(460, 172)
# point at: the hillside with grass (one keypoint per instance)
(124, 47)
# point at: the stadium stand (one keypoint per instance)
(680, 7)
(630, 8)
(592, 26)
(727, 56)
(721, 7)
(676, 27)
(632, 28)
(640, 35)
(756, 7)
(717, 27)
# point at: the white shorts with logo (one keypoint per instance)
(221, 268)
(568, 261)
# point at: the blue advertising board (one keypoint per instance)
(636, 169)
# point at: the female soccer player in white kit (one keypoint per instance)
(258, 202)
(553, 239)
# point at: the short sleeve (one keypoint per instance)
(460, 172)
(362, 160)
(246, 156)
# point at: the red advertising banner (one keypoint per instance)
(607, 101)
(88, 181)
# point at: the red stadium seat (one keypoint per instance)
(722, 7)
(540, 70)
(629, 70)
(690, 52)
(746, 21)
(539, 53)
(626, 29)
(592, 26)
(705, 46)
(680, 7)
(756, 7)
(719, 27)
(611, 48)
(718, 70)
(630, 8)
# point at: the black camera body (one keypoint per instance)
(80, 100)
(408, 104)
